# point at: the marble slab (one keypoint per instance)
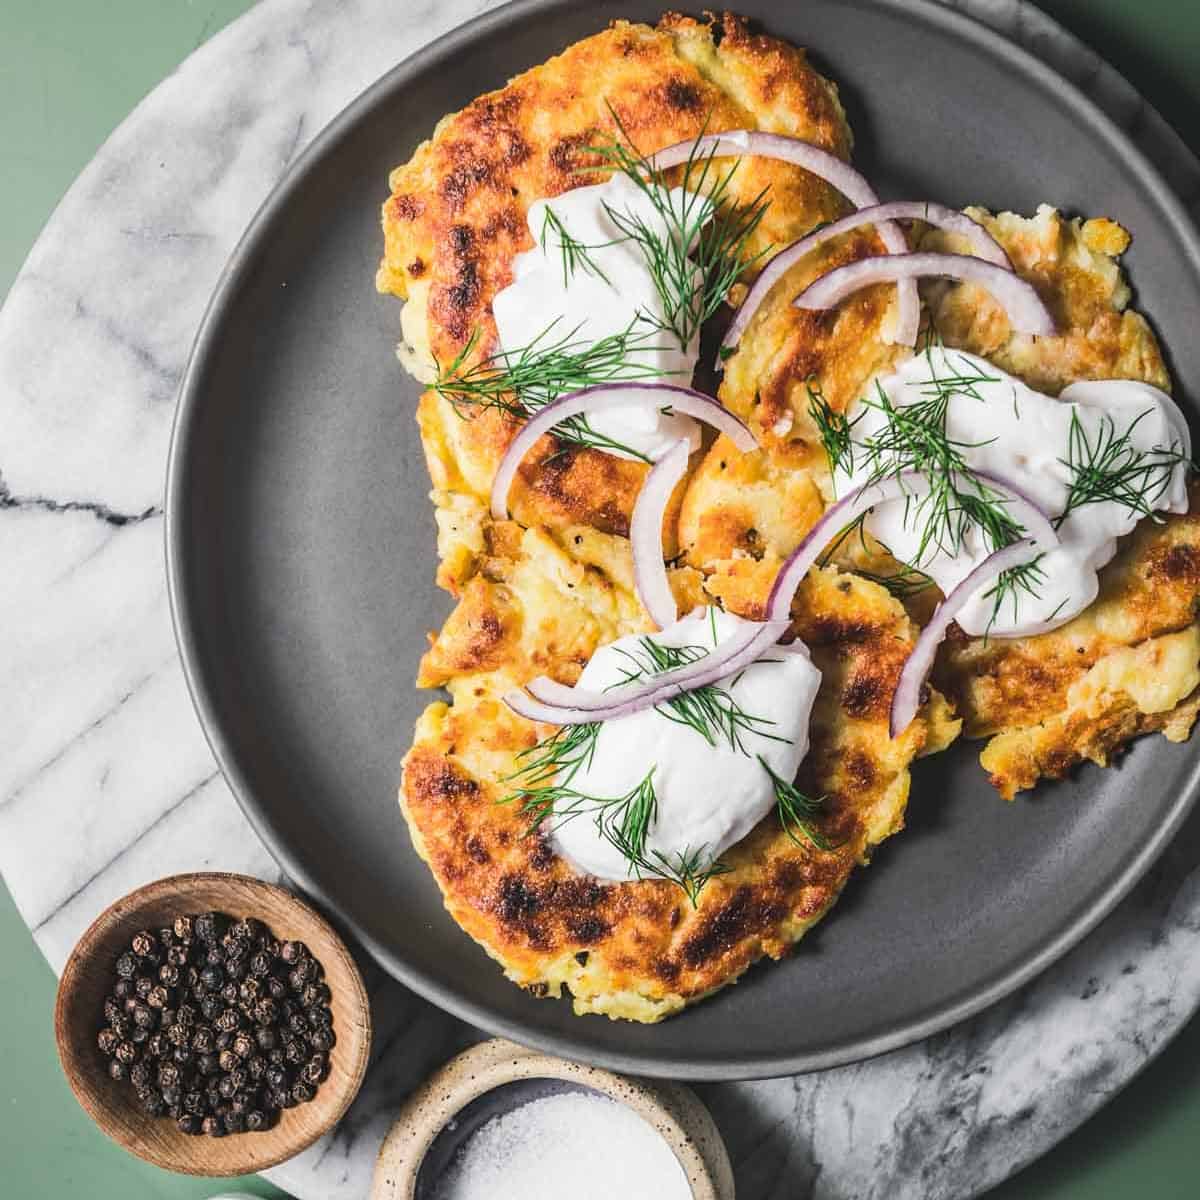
(105, 778)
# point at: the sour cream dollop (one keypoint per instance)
(609, 291)
(709, 797)
(1007, 429)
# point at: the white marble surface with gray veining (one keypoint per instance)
(105, 778)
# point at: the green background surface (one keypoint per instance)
(70, 70)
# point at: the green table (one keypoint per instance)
(69, 71)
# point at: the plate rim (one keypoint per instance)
(185, 623)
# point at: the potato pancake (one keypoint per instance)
(455, 219)
(543, 602)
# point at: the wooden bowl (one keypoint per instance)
(89, 975)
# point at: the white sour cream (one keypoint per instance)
(1023, 437)
(606, 295)
(708, 796)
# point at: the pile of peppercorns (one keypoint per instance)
(217, 1024)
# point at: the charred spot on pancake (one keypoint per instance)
(516, 901)
(682, 95)
(476, 850)
(406, 207)
(1177, 564)
(416, 268)
(866, 695)
(587, 928)
(744, 913)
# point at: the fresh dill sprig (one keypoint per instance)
(1112, 469)
(904, 583)
(706, 246)
(796, 811)
(1024, 579)
(622, 821)
(710, 710)
(834, 427)
(521, 381)
(576, 255)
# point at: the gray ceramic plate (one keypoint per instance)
(301, 559)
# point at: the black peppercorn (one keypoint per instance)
(186, 1016)
(168, 975)
(229, 992)
(177, 956)
(160, 997)
(256, 1120)
(204, 1040)
(144, 1017)
(188, 1123)
(266, 1037)
(238, 1079)
(209, 926)
(243, 1045)
(319, 1016)
(228, 1021)
(315, 993)
(178, 1035)
(276, 1056)
(295, 1051)
(249, 991)
(123, 989)
(228, 1060)
(322, 1038)
(121, 1025)
(224, 1040)
(260, 963)
(297, 1022)
(276, 1077)
(292, 952)
(301, 974)
(212, 977)
(211, 1007)
(166, 937)
(183, 928)
(152, 1103)
(125, 1052)
(302, 1093)
(313, 1071)
(117, 1069)
(143, 944)
(182, 1055)
(143, 985)
(139, 1075)
(207, 1064)
(108, 1040)
(139, 1034)
(226, 1087)
(170, 1093)
(256, 1067)
(276, 988)
(168, 1075)
(213, 1126)
(127, 965)
(235, 1122)
(157, 1044)
(266, 1012)
(112, 1008)
(166, 1018)
(194, 1102)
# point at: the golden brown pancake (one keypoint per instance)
(543, 602)
(455, 219)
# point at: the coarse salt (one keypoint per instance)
(576, 1144)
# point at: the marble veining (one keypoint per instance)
(106, 780)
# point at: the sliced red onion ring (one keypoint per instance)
(833, 170)
(1025, 309)
(645, 535)
(907, 698)
(982, 243)
(557, 704)
(604, 396)
(907, 484)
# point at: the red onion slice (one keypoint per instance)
(645, 535)
(556, 704)
(982, 243)
(907, 698)
(1025, 309)
(600, 398)
(833, 170)
(849, 508)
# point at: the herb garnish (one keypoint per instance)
(706, 246)
(521, 381)
(796, 811)
(1113, 470)
(575, 254)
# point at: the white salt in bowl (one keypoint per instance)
(498, 1077)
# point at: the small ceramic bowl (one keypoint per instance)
(671, 1109)
(88, 978)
